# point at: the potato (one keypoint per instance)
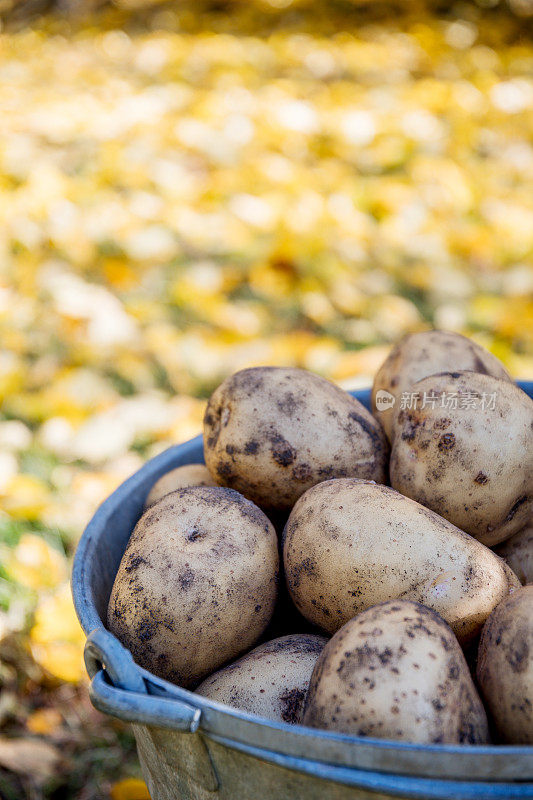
(271, 680)
(197, 584)
(179, 478)
(350, 544)
(512, 579)
(396, 671)
(505, 667)
(471, 647)
(518, 553)
(272, 432)
(472, 464)
(418, 355)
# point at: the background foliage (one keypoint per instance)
(193, 188)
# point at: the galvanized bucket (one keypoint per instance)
(192, 748)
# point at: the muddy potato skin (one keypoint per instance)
(349, 544)
(396, 671)
(197, 584)
(418, 355)
(271, 680)
(472, 466)
(518, 553)
(505, 667)
(272, 432)
(179, 478)
(512, 578)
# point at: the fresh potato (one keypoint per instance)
(470, 648)
(505, 667)
(196, 586)
(396, 671)
(512, 578)
(350, 544)
(179, 478)
(271, 680)
(518, 553)
(272, 432)
(472, 464)
(418, 355)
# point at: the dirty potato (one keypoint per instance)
(467, 453)
(418, 355)
(512, 578)
(349, 544)
(505, 667)
(271, 680)
(396, 671)
(179, 478)
(272, 432)
(518, 553)
(197, 584)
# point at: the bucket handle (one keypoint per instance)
(118, 688)
(143, 709)
(104, 651)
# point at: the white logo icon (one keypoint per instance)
(384, 400)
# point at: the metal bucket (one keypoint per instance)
(192, 748)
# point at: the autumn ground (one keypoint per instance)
(194, 188)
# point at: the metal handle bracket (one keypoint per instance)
(143, 709)
(119, 689)
(104, 651)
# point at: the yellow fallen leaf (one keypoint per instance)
(291, 348)
(520, 366)
(63, 660)
(44, 721)
(57, 639)
(35, 564)
(25, 497)
(359, 362)
(11, 375)
(130, 789)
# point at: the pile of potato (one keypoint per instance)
(392, 618)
